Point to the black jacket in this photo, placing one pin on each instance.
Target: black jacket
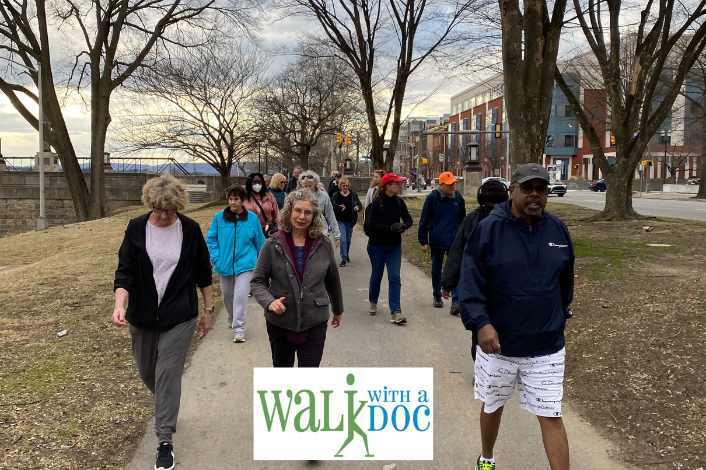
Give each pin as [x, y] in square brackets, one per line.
[452, 269]
[134, 274]
[385, 211]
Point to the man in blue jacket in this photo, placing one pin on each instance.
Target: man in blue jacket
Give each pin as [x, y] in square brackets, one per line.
[444, 210]
[517, 282]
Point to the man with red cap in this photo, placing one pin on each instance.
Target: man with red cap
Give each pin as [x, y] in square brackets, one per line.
[442, 215]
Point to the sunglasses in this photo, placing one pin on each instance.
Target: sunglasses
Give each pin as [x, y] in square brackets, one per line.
[308, 177]
[527, 188]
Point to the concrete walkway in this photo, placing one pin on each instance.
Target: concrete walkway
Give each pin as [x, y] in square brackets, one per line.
[216, 420]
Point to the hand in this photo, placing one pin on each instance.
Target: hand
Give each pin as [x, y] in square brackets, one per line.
[425, 249]
[336, 321]
[356, 208]
[398, 227]
[343, 207]
[204, 325]
[338, 242]
[118, 317]
[446, 294]
[488, 340]
[277, 306]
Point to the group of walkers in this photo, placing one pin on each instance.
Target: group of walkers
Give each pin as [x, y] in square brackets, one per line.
[509, 274]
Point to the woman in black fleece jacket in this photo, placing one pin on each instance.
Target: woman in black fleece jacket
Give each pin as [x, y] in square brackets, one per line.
[385, 244]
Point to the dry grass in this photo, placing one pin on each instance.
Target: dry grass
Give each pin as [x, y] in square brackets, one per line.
[75, 401]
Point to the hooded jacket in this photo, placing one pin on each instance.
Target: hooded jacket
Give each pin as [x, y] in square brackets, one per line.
[441, 218]
[233, 247]
[329, 216]
[520, 279]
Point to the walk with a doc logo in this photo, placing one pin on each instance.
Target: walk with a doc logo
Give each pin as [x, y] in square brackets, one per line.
[344, 414]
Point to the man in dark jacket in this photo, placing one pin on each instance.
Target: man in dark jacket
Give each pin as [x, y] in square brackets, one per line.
[333, 184]
[294, 180]
[443, 212]
[517, 282]
[490, 193]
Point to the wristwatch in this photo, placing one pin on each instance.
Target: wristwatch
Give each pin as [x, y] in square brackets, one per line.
[210, 309]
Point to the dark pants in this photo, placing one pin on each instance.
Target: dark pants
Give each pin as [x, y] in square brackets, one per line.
[160, 358]
[381, 256]
[437, 264]
[308, 353]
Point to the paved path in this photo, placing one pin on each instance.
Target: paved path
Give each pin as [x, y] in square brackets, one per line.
[215, 423]
[658, 205]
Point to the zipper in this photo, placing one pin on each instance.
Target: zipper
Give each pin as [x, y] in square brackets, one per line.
[235, 232]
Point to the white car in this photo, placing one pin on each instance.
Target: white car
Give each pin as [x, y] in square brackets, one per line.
[497, 178]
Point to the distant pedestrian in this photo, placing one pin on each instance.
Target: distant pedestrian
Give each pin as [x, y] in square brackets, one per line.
[161, 262]
[385, 244]
[490, 193]
[234, 240]
[374, 186]
[296, 281]
[517, 283]
[277, 188]
[262, 203]
[311, 181]
[346, 205]
[333, 184]
[294, 180]
[268, 180]
[444, 210]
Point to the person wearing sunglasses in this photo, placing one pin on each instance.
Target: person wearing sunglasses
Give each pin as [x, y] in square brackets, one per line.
[277, 188]
[517, 283]
[161, 262]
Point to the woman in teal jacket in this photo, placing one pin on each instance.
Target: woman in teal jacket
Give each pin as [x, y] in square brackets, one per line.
[234, 241]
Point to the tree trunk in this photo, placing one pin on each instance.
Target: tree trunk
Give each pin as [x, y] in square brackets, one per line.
[225, 182]
[618, 201]
[100, 120]
[304, 157]
[702, 162]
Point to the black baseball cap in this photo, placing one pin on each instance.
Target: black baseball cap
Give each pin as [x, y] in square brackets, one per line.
[528, 172]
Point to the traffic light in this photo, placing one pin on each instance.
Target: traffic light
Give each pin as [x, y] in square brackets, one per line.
[348, 141]
[576, 166]
[342, 165]
[498, 128]
[338, 138]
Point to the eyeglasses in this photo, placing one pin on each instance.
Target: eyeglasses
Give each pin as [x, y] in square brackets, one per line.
[297, 211]
[527, 188]
[308, 177]
[162, 211]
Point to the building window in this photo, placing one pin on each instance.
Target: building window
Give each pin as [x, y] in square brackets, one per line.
[569, 140]
[568, 111]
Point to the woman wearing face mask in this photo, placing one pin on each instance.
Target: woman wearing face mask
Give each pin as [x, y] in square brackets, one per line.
[234, 240]
[262, 203]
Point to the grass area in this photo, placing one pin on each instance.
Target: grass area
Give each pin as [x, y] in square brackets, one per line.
[75, 401]
[636, 347]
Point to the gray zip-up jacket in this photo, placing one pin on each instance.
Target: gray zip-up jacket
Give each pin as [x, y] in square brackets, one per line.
[306, 303]
[329, 216]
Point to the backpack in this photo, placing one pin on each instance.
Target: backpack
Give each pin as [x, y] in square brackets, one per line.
[368, 209]
[435, 199]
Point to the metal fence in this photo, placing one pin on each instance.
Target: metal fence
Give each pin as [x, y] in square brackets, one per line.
[152, 165]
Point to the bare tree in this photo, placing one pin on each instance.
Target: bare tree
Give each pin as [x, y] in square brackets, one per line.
[198, 102]
[364, 32]
[631, 91]
[695, 101]
[530, 41]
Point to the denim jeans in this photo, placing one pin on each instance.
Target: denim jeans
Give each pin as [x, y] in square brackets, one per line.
[346, 229]
[437, 263]
[392, 257]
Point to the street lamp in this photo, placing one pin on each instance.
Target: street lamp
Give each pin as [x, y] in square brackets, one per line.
[266, 144]
[665, 139]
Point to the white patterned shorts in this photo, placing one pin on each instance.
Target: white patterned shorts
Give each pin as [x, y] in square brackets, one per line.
[539, 381]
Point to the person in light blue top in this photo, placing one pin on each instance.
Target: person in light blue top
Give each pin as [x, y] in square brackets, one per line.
[234, 241]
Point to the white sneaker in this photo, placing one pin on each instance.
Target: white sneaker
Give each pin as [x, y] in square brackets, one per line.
[239, 337]
[373, 309]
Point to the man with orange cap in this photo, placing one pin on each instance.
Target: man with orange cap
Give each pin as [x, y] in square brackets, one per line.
[442, 215]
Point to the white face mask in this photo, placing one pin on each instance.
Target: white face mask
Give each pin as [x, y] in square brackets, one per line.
[256, 187]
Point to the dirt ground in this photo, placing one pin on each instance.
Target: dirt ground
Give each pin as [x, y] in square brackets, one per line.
[636, 347]
[76, 401]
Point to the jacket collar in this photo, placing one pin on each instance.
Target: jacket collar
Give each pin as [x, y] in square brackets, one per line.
[232, 216]
[504, 211]
[281, 238]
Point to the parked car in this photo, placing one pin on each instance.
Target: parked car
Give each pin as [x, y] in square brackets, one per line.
[556, 187]
[423, 184]
[497, 178]
[693, 181]
[597, 186]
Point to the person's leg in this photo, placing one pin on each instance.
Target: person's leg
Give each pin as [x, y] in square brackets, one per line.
[348, 240]
[227, 287]
[310, 352]
[282, 350]
[393, 261]
[343, 228]
[172, 349]
[240, 299]
[437, 262]
[377, 262]
[144, 350]
[556, 444]
[489, 427]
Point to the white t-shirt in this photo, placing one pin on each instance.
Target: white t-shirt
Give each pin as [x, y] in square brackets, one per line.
[164, 250]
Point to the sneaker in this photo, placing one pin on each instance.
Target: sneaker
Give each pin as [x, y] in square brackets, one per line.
[239, 337]
[397, 318]
[373, 309]
[230, 323]
[348, 259]
[165, 457]
[484, 465]
[438, 302]
[342, 264]
[455, 309]
[250, 294]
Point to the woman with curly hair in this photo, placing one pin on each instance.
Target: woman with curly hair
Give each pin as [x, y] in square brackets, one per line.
[298, 259]
[262, 203]
[161, 262]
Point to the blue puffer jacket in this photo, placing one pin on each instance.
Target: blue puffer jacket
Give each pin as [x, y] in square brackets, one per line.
[520, 279]
[234, 249]
[441, 218]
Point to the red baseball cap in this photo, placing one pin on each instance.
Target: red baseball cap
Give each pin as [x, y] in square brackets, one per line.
[391, 177]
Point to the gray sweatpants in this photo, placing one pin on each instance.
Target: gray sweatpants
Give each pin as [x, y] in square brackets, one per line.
[160, 357]
[235, 291]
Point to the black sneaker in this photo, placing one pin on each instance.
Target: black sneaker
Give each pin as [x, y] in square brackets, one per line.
[438, 303]
[455, 309]
[165, 457]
